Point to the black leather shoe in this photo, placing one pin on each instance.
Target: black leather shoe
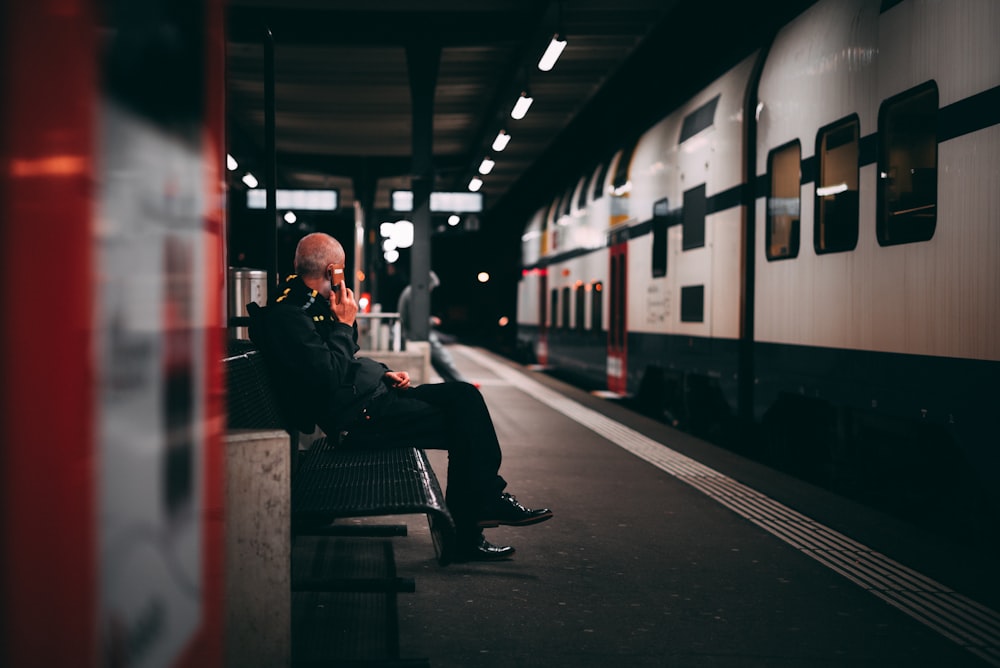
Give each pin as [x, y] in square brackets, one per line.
[483, 550]
[506, 510]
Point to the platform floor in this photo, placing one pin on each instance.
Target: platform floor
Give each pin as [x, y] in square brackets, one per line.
[668, 551]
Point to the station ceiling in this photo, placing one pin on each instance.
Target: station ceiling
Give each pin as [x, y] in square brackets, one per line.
[343, 109]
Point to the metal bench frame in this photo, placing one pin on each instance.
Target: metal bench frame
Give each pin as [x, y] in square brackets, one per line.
[332, 483]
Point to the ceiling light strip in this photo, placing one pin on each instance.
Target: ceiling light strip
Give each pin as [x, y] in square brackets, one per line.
[521, 106]
[552, 53]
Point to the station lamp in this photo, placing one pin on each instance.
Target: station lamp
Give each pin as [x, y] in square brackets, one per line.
[552, 53]
[500, 143]
[521, 106]
[402, 234]
[396, 235]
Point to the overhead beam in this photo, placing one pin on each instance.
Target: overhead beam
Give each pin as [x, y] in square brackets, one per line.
[380, 166]
[373, 28]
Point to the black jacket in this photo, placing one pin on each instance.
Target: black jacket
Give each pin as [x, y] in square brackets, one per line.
[311, 359]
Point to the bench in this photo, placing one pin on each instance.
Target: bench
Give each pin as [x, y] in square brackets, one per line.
[337, 582]
[331, 483]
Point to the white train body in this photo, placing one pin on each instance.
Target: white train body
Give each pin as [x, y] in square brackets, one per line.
[810, 244]
[663, 167]
[936, 297]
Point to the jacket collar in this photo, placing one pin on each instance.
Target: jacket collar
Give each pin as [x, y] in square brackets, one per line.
[295, 292]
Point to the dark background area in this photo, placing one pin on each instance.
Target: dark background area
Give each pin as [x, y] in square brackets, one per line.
[698, 42]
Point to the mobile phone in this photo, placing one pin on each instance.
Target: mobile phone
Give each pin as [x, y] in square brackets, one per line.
[339, 273]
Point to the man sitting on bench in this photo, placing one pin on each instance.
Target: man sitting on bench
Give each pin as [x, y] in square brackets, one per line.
[308, 336]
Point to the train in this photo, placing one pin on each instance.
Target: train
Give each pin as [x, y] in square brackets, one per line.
[803, 258]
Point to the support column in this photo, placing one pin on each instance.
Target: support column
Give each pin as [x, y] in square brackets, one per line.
[422, 61]
[271, 165]
[365, 182]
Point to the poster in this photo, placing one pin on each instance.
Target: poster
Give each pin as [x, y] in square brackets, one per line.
[150, 329]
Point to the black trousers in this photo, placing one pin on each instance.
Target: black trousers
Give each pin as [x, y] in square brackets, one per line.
[451, 416]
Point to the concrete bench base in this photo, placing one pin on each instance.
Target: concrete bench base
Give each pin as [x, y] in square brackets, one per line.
[258, 549]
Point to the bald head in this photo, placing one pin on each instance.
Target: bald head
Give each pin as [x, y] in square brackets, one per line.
[315, 253]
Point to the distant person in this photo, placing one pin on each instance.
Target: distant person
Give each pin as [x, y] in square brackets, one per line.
[441, 359]
[308, 337]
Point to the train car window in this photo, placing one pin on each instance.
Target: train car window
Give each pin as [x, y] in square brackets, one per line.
[693, 303]
[907, 166]
[701, 118]
[560, 206]
[602, 176]
[581, 200]
[618, 302]
[564, 320]
[621, 169]
[613, 341]
[784, 166]
[554, 309]
[661, 211]
[554, 208]
[551, 214]
[548, 230]
[694, 218]
[836, 204]
[567, 204]
[542, 301]
[580, 297]
[597, 307]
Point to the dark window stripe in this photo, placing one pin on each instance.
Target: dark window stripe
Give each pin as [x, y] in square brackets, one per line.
[868, 150]
[808, 170]
[727, 199]
[969, 115]
[641, 229]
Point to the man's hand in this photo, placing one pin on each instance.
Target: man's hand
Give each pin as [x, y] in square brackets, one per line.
[398, 379]
[343, 305]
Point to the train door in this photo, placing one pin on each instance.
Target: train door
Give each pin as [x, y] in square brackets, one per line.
[617, 333]
[542, 349]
